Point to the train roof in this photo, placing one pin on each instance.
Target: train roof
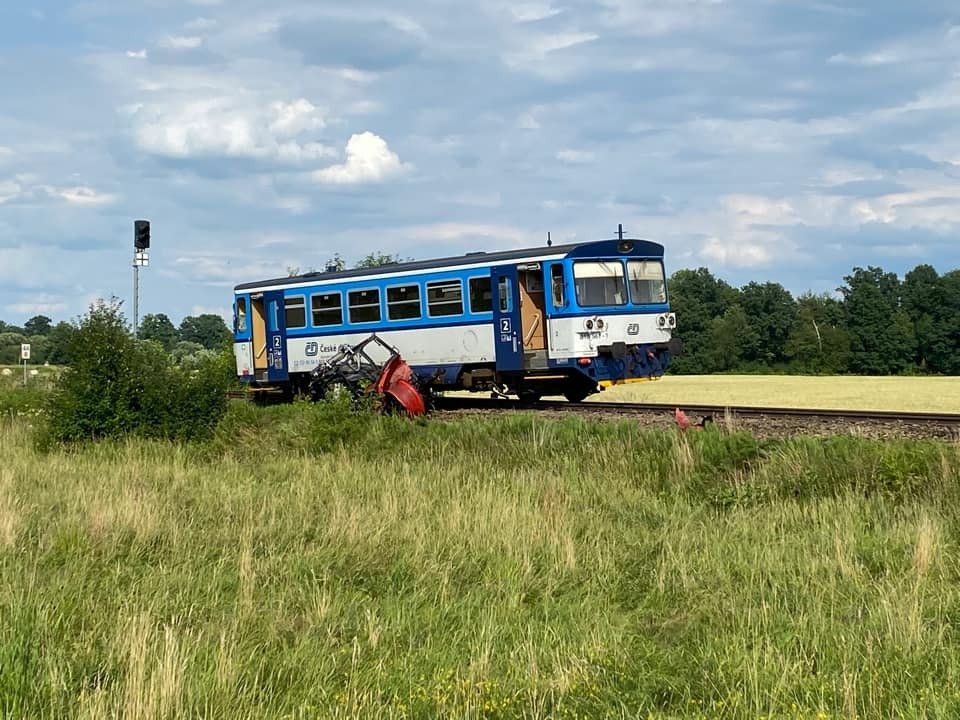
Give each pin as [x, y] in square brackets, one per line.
[638, 247]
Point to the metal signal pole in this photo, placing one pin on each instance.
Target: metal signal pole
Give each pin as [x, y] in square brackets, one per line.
[141, 258]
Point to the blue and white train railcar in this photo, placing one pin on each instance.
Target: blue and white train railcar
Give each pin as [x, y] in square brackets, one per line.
[567, 319]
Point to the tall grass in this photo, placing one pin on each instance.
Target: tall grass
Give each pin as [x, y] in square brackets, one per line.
[503, 568]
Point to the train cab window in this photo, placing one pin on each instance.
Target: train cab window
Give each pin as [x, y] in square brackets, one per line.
[557, 286]
[364, 305]
[445, 298]
[241, 314]
[403, 303]
[647, 283]
[504, 294]
[599, 283]
[481, 295]
[295, 311]
[327, 309]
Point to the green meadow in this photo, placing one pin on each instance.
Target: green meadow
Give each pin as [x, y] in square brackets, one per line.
[310, 563]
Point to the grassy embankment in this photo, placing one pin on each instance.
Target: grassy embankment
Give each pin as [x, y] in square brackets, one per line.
[917, 394]
[511, 567]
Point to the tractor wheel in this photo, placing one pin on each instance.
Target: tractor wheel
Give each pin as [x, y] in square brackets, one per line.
[529, 397]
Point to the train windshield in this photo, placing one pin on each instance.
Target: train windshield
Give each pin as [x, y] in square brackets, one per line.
[647, 283]
[599, 283]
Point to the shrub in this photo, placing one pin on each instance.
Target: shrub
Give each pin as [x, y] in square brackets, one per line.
[119, 386]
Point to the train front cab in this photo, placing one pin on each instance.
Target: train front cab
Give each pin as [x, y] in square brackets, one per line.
[596, 318]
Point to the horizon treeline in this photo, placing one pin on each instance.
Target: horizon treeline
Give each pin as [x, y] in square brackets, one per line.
[50, 343]
[877, 324]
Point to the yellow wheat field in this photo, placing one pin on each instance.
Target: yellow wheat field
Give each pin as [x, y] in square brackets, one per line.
[916, 394]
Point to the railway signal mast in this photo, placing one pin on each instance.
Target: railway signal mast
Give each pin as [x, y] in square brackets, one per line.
[141, 258]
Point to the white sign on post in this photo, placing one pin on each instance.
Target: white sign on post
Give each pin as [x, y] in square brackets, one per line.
[25, 351]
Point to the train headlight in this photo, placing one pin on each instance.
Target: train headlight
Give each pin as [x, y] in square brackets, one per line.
[600, 323]
[662, 321]
[588, 324]
[672, 320]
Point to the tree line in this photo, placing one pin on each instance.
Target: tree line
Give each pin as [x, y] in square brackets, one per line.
[877, 324]
[51, 343]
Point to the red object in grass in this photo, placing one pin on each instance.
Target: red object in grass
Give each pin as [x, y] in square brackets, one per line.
[395, 383]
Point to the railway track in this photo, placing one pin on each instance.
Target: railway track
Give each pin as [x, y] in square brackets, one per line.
[763, 420]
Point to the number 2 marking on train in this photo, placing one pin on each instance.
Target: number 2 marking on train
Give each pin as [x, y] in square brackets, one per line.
[505, 325]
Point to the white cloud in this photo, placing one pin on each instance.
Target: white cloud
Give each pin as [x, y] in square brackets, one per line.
[369, 159]
[532, 12]
[200, 24]
[295, 117]
[137, 54]
[453, 231]
[528, 122]
[231, 127]
[38, 305]
[84, 196]
[181, 42]
[9, 190]
[575, 157]
[735, 252]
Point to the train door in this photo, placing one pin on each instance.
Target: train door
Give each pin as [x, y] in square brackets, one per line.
[506, 318]
[532, 307]
[276, 340]
[258, 331]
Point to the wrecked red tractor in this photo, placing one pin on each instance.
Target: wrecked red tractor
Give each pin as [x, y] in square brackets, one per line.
[372, 366]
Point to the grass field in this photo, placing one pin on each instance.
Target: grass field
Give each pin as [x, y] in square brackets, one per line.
[918, 394]
[502, 568]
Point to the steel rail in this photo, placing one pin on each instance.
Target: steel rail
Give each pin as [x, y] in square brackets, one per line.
[717, 411]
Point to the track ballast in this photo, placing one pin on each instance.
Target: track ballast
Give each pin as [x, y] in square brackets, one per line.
[776, 421]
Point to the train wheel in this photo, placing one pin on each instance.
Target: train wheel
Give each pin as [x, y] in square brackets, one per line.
[577, 394]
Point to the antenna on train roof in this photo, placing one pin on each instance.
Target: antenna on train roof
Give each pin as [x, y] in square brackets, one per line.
[549, 241]
[620, 231]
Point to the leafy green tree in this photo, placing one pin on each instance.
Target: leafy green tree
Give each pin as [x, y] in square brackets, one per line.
[924, 300]
[207, 329]
[819, 342]
[38, 325]
[10, 347]
[879, 337]
[771, 312]
[945, 356]
[58, 343]
[118, 386]
[159, 327]
[377, 259]
[698, 298]
[728, 336]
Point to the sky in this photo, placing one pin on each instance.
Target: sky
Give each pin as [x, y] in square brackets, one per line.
[769, 140]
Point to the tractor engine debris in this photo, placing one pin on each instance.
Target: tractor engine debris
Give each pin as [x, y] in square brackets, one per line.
[358, 371]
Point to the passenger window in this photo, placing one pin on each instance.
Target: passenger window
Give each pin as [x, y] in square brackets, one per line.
[556, 283]
[481, 296]
[503, 290]
[241, 314]
[364, 305]
[327, 309]
[445, 298]
[296, 312]
[403, 303]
